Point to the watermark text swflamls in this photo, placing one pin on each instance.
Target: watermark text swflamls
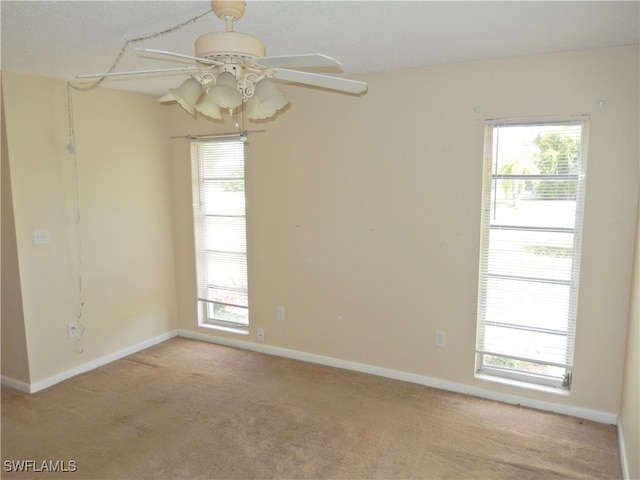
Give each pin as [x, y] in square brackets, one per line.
[55, 466]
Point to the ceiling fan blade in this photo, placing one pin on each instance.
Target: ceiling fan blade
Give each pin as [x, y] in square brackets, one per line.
[315, 79]
[299, 61]
[179, 55]
[139, 72]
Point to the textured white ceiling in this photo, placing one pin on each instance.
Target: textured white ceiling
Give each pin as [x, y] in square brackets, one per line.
[66, 38]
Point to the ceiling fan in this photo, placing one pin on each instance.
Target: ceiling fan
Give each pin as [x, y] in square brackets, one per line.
[231, 69]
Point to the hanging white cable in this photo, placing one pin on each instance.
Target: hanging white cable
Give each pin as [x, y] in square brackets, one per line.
[137, 40]
[71, 147]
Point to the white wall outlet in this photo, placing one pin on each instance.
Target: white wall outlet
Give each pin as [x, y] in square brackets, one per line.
[260, 334]
[441, 338]
[40, 237]
[280, 313]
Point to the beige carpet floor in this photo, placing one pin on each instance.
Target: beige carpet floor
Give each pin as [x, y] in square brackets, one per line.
[193, 410]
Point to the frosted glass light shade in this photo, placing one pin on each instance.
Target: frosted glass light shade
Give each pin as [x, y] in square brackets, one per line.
[266, 101]
[208, 108]
[186, 94]
[225, 92]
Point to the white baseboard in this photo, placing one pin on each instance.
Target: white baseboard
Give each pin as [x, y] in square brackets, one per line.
[624, 465]
[17, 384]
[85, 367]
[595, 415]
[588, 414]
[228, 342]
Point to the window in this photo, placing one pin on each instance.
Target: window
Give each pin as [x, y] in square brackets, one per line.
[532, 209]
[220, 234]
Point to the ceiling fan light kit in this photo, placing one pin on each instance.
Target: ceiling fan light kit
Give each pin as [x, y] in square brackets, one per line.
[187, 94]
[265, 102]
[225, 91]
[209, 109]
[231, 69]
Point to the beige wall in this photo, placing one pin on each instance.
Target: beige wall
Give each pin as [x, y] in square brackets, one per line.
[15, 362]
[126, 262]
[364, 214]
[630, 408]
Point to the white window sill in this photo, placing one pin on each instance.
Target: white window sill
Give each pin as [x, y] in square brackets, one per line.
[213, 326]
[526, 385]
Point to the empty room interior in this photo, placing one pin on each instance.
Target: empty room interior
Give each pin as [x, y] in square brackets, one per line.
[394, 208]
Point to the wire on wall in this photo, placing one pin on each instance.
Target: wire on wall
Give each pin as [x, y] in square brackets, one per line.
[72, 149]
[137, 40]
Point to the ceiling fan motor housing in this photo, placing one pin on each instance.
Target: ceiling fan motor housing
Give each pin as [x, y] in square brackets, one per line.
[221, 45]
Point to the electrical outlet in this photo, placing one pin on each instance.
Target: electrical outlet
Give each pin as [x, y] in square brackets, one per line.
[260, 334]
[40, 237]
[280, 313]
[441, 338]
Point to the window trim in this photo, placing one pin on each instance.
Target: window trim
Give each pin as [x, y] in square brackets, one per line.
[204, 304]
[507, 375]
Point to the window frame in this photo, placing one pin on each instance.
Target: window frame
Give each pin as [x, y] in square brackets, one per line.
[489, 185]
[202, 231]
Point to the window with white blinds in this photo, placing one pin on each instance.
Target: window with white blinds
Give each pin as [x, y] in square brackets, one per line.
[533, 199]
[220, 232]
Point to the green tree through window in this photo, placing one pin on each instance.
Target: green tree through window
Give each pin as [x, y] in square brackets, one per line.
[558, 155]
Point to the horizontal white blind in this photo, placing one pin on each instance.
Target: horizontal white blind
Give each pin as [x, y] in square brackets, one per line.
[533, 196]
[220, 230]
